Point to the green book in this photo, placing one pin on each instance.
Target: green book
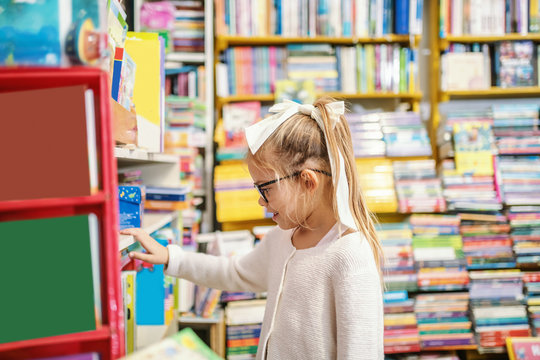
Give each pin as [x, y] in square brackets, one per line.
[50, 277]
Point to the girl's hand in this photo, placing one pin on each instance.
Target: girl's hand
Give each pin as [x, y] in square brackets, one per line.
[157, 254]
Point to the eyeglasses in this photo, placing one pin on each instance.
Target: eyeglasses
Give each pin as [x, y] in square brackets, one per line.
[262, 191]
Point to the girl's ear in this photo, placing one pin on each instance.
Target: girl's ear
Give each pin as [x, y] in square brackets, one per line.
[309, 180]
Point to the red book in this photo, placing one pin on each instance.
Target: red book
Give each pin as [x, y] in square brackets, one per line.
[47, 142]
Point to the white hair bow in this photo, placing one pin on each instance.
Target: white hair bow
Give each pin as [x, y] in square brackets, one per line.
[258, 133]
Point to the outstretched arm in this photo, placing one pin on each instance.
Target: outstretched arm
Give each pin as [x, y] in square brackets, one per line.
[245, 273]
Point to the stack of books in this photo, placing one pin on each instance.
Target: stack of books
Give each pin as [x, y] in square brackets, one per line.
[516, 127]
[519, 179]
[168, 198]
[244, 321]
[400, 331]
[399, 270]
[366, 134]
[417, 186]
[468, 191]
[525, 224]
[438, 252]
[531, 282]
[377, 183]
[498, 307]
[236, 198]
[453, 116]
[443, 320]
[315, 62]
[405, 134]
[188, 33]
[191, 222]
[486, 241]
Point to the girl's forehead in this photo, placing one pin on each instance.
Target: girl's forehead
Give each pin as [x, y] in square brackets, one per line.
[259, 173]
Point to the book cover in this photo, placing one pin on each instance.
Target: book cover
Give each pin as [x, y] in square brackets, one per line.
[58, 157]
[236, 117]
[523, 348]
[66, 252]
[515, 64]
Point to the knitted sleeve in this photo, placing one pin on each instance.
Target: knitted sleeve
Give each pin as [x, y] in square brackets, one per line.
[242, 273]
[359, 317]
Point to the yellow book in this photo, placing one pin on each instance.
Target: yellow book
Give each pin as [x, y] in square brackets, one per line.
[145, 51]
[128, 278]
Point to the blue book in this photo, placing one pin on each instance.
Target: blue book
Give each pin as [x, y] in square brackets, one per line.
[401, 16]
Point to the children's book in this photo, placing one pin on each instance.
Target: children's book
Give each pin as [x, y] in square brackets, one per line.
[236, 117]
[302, 92]
[515, 64]
[523, 348]
[183, 345]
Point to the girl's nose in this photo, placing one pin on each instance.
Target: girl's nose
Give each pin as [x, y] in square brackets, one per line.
[261, 201]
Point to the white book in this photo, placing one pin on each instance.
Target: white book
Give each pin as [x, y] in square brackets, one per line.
[361, 26]
[456, 28]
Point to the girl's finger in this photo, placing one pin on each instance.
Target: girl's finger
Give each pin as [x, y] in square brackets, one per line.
[140, 256]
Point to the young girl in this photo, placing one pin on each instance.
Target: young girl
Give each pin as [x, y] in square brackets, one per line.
[320, 266]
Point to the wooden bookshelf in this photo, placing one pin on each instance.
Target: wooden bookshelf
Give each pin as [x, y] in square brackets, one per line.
[223, 42]
[220, 101]
[493, 91]
[467, 39]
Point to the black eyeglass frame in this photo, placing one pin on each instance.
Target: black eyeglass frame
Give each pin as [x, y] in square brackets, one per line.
[260, 187]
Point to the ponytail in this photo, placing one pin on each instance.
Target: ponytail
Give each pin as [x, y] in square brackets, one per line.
[339, 140]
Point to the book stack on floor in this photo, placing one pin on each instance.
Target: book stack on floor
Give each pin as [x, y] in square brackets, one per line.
[377, 183]
[244, 321]
[366, 134]
[417, 186]
[400, 330]
[531, 282]
[443, 320]
[525, 225]
[486, 241]
[399, 270]
[497, 307]
[405, 134]
[519, 179]
[438, 252]
[516, 128]
[469, 191]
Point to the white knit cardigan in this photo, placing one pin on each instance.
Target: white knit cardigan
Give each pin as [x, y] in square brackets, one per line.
[324, 302]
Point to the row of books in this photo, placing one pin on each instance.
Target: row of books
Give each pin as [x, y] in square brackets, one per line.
[368, 68]
[458, 17]
[418, 249]
[181, 23]
[504, 64]
[302, 18]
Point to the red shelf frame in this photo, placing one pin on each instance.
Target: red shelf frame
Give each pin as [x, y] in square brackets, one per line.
[108, 340]
[16, 205]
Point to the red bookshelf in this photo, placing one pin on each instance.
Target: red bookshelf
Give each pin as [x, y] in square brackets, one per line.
[107, 340]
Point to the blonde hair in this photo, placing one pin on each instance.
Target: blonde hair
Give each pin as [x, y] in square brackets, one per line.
[299, 140]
